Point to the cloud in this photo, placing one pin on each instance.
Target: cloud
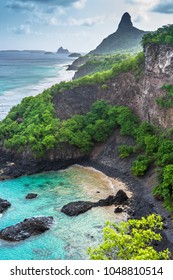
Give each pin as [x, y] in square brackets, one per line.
[19, 5]
[86, 21]
[22, 29]
[163, 8]
[141, 8]
[63, 3]
[80, 4]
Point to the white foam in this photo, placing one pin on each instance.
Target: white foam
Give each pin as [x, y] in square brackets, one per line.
[13, 97]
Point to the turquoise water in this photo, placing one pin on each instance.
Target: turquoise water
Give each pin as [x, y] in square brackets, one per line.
[23, 74]
[69, 237]
[26, 73]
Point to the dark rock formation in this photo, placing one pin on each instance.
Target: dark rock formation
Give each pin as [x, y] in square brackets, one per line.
[120, 198]
[106, 202]
[125, 22]
[31, 195]
[4, 205]
[62, 51]
[79, 207]
[76, 208]
[26, 229]
[118, 210]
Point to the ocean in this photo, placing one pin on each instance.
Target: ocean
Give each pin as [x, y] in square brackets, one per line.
[27, 73]
[23, 74]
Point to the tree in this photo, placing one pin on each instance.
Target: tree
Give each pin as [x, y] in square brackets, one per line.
[165, 189]
[130, 240]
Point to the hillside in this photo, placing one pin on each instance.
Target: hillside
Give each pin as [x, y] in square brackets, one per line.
[120, 118]
[127, 39]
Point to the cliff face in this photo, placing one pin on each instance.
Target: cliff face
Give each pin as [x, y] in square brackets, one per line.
[158, 71]
[140, 95]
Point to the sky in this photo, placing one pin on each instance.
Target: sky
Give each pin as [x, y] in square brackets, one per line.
[78, 25]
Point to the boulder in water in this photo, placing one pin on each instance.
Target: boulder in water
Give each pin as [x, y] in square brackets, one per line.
[31, 195]
[4, 205]
[77, 207]
[26, 229]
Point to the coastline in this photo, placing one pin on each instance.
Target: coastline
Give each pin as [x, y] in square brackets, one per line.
[140, 204]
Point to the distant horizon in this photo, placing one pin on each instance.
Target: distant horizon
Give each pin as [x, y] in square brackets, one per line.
[42, 51]
[77, 25]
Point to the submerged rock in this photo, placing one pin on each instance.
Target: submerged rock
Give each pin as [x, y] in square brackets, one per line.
[76, 208]
[4, 205]
[27, 228]
[31, 195]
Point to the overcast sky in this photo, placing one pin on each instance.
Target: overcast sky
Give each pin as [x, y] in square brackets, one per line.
[79, 25]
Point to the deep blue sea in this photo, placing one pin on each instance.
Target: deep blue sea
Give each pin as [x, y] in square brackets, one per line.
[29, 73]
[23, 74]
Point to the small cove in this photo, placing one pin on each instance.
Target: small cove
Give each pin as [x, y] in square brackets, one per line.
[69, 237]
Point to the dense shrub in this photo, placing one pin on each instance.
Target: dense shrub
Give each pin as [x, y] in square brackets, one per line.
[141, 165]
[163, 35]
[131, 240]
[165, 188]
[125, 151]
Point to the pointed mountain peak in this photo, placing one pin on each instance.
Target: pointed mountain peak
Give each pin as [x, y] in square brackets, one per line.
[125, 22]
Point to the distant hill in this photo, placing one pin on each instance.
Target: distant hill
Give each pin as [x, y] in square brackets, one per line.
[127, 38]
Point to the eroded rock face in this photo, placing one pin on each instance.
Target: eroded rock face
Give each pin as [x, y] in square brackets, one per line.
[159, 60]
[4, 205]
[26, 229]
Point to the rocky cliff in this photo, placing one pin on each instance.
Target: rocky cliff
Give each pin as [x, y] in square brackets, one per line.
[125, 89]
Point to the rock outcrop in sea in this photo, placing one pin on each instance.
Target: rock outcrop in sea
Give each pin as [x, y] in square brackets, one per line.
[79, 207]
[4, 205]
[61, 50]
[27, 228]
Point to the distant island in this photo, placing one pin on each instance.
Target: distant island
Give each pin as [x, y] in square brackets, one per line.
[61, 50]
[75, 55]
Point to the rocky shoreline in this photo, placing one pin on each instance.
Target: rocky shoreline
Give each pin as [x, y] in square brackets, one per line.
[141, 203]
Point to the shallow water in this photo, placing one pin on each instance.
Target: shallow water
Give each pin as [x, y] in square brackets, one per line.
[69, 237]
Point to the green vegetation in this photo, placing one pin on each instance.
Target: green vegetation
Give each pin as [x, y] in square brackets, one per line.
[163, 35]
[140, 166]
[32, 125]
[167, 100]
[133, 63]
[125, 151]
[165, 189]
[100, 63]
[131, 240]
